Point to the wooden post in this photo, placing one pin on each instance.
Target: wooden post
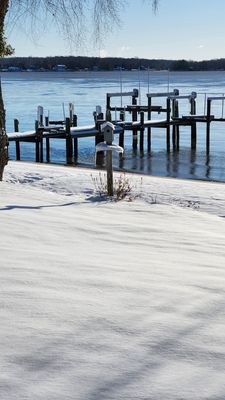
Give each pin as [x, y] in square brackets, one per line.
[75, 143]
[41, 146]
[74, 120]
[108, 115]
[47, 142]
[16, 125]
[16, 129]
[40, 116]
[47, 149]
[121, 135]
[168, 124]
[71, 112]
[193, 135]
[75, 140]
[178, 137]
[108, 138]
[95, 117]
[134, 118]
[107, 102]
[69, 143]
[175, 135]
[174, 126]
[142, 115]
[149, 144]
[193, 106]
[109, 172]
[18, 150]
[176, 110]
[208, 125]
[193, 125]
[98, 139]
[37, 142]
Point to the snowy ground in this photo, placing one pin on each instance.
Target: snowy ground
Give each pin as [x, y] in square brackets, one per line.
[110, 300]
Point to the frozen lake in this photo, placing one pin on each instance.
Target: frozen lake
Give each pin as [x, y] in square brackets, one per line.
[24, 91]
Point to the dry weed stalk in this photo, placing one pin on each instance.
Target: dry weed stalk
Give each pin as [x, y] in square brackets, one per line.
[122, 186]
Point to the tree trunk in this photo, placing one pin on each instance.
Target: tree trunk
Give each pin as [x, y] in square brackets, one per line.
[3, 11]
[3, 137]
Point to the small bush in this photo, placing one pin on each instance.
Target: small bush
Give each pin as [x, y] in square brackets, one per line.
[122, 186]
[100, 184]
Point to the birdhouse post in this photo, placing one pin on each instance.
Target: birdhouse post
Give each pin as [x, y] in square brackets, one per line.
[107, 146]
[107, 130]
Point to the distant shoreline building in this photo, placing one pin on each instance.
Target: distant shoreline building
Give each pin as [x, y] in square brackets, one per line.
[13, 69]
[60, 68]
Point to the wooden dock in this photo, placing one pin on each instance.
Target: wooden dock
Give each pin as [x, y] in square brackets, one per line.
[141, 120]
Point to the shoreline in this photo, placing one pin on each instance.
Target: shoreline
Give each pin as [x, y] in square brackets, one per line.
[118, 171]
[77, 183]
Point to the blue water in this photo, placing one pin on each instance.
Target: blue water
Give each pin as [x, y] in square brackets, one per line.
[24, 91]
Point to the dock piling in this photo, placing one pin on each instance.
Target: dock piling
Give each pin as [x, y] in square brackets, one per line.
[193, 124]
[16, 129]
[149, 137]
[168, 124]
[137, 125]
[208, 113]
[37, 142]
[134, 118]
[121, 135]
[75, 140]
[176, 127]
[142, 116]
[47, 149]
[69, 143]
[99, 137]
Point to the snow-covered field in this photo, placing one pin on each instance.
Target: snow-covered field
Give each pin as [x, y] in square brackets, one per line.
[110, 300]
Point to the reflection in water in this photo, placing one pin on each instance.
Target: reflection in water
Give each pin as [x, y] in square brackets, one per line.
[141, 153]
[149, 163]
[121, 161]
[135, 153]
[142, 164]
[185, 163]
[207, 164]
[168, 163]
[192, 162]
[175, 163]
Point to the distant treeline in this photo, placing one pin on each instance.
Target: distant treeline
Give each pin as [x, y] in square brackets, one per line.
[110, 63]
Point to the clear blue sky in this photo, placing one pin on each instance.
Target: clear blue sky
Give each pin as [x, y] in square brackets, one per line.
[190, 29]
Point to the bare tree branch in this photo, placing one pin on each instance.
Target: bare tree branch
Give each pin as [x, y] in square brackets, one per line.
[72, 17]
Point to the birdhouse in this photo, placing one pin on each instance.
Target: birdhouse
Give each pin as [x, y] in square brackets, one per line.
[107, 129]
